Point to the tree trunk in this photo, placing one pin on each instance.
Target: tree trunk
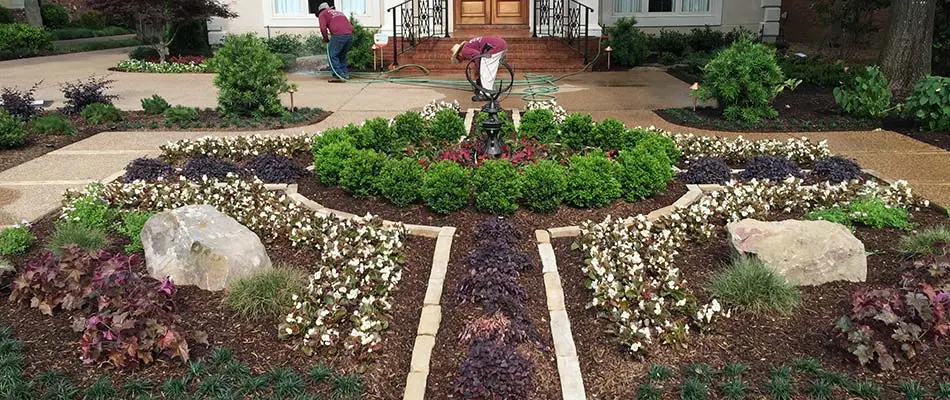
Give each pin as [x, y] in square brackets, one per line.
[908, 51]
[33, 15]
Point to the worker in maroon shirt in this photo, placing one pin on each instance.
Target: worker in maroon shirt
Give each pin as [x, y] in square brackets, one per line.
[340, 39]
[495, 47]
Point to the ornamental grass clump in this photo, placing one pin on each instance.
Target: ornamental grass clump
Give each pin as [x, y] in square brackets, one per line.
[930, 241]
[752, 286]
[87, 238]
[267, 294]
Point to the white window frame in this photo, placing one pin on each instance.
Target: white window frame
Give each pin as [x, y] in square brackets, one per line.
[646, 19]
[370, 19]
[17, 4]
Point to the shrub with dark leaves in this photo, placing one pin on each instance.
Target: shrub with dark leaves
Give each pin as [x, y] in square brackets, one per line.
[494, 370]
[272, 168]
[836, 169]
[497, 230]
[51, 282]
[770, 167]
[147, 169]
[19, 103]
[707, 170]
[81, 93]
[216, 168]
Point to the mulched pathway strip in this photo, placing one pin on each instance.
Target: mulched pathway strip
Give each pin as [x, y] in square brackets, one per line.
[756, 341]
[50, 342]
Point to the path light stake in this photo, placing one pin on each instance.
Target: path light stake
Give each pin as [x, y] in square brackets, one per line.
[292, 89]
[692, 92]
[608, 50]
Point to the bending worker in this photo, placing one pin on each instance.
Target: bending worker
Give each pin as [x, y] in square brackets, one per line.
[487, 66]
[340, 39]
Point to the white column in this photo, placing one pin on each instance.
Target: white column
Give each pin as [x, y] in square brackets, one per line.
[771, 19]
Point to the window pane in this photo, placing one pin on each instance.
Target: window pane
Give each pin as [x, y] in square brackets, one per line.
[695, 5]
[661, 6]
[288, 7]
[356, 7]
[627, 6]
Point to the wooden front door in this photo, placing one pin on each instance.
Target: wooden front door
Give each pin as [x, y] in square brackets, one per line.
[491, 12]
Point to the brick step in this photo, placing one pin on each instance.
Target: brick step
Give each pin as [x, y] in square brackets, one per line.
[513, 56]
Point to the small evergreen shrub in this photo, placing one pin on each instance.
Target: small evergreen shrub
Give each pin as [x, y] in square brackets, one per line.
[53, 124]
[285, 43]
[15, 240]
[147, 169]
[836, 169]
[744, 78]
[497, 187]
[273, 168]
[631, 138]
[54, 15]
[446, 187]
[576, 131]
[591, 181]
[400, 181]
[334, 135]
[750, 285]
[22, 40]
[447, 126]
[248, 78]
[770, 167]
[98, 113]
[376, 134]
[329, 161]
[360, 56]
[409, 127]
[607, 134]
[929, 103]
[12, 133]
[876, 214]
[287, 61]
[83, 93]
[642, 174]
[155, 105]
[654, 143]
[360, 171]
[543, 186]
[630, 45]
[867, 95]
[707, 170]
[814, 71]
[926, 241]
[539, 124]
[669, 44]
[94, 20]
[88, 238]
[268, 294]
[180, 115]
[131, 228]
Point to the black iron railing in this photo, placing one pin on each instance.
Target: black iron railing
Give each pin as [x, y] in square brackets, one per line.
[414, 20]
[567, 19]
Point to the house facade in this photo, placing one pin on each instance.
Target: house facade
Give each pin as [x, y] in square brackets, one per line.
[291, 16]
[13, 4]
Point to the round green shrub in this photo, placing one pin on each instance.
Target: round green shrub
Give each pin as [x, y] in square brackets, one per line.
[248, 78]
[285, 43]
[92, 20]
[376, 134]
[867, 95]
[99, 113]
[446, 187]
[497, 187]
[630, 138]
[334, 135]
[400, 181]
[642, 174]
[929, 103]
[154, 105]
[446, 126]
[744, 78]
[12, 133]
[360, 56]
[607, 134]
[15, 240]
[180, 114]
[539, 124]
[54, 124]
[630, 45]
[576, 131]
[655, 143]
[592, 181]
[54, 15]
[360, 171]
[409, 127]
[22, 40]
[329, 161]
[543, 186]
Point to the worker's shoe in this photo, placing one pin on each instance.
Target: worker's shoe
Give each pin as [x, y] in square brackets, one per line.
[480, 97]
[335, 80]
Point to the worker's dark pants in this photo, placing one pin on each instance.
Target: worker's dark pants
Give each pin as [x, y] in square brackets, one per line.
[339, 46]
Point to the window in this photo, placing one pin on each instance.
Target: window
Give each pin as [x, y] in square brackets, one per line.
[695, 5]
[661, 6]
[665, 13]
[298, 8]
[288, 7]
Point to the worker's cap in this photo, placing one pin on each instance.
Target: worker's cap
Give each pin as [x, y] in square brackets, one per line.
[323, 6]
[455, 52]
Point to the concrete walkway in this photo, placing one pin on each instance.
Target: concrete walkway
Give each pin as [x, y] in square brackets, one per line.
[32, 189]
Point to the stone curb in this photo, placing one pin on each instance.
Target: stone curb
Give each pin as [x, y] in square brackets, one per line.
[469, 120]
[568, 366]
[714, 187]
[430, 319]
[516, 118]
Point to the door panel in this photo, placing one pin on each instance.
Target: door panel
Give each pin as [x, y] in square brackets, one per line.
[510, 12]
[473, 12]
[489, 12]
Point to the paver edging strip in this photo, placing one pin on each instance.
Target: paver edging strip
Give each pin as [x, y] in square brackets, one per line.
[430, 319]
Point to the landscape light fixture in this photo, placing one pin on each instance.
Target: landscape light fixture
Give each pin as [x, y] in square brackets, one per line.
[608, 50]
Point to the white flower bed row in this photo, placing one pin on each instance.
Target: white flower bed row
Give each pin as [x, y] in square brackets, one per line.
[235, 146]
[429, 110]
[739, 149]
[559, 113]
[348, 296]
[631, 270]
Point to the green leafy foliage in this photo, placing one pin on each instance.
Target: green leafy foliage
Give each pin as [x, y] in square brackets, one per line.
[268, 294]
[876, 214]
[15, 240]
[53, 124]
[330, 159]
[180, 115]
[143, 52]
[779, 387]
[155, 105]
[693, 389]
[446, 187]
[376, 134]
[814, 71]
[99, 113]
[347, 387]
[400, 180]
[576, 131]
[543, 186]
[655, 143]
[131, 228]
[744, 78]
[913, 390]
[659, 372]
[71, 233]
[642, 174]
[22, 40]
[285, 43]
[6, 16]
[926, 242]
[750, 285]
[647, 391]
[409, 127]
[630, 45]
[334, 135]
[360, 172]
[592, 181]
[734, 389]
[867, 95]
[497, 187]
[12, 133]
[54, 15]
[834, 214]
[669, 44]
[248, 78]
[83, 93]
[539, 124]
[930, 103]
[447, 126]
[360, 56]
[287, 61]
[607, 133]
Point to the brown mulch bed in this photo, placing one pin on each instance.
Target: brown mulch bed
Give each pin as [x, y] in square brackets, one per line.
[37, 145]
[51, 344]
[756, 341]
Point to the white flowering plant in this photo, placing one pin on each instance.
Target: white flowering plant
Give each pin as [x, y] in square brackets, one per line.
[630, 262]
[347, 299]
[430, 110]
[739, 150]
[559, 113]
[235, 146]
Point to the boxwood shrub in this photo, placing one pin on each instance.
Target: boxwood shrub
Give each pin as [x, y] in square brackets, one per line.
[446, 187]
[359, 172]
[642, 174]
[543, 186]
[334, 135]
[539, 124]
[99, 113]
[409, 127]
[375, 134]
[607, 134]
[12, 134]
[400, 180]
[576, 131]
[654, 142]
[446, 126]
[497, 187]
[330, 159]
[592, 181]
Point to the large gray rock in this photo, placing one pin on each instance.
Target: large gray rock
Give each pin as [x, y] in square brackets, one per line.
[804, 252]
[197, 245]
